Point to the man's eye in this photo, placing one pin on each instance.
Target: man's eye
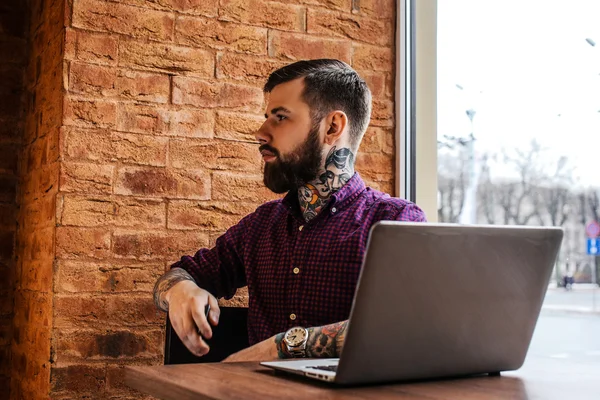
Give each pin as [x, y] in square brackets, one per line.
[280, 117]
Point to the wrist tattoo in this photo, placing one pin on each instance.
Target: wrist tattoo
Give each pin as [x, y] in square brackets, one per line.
[166, 282]
[326, 341]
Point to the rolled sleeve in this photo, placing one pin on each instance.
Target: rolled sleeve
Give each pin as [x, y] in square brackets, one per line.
[220, 270]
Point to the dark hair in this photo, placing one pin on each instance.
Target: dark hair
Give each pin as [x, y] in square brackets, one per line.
[330, 85]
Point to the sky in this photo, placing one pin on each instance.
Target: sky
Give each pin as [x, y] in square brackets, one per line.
[528, 72]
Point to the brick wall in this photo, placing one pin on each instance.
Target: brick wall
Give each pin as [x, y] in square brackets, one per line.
[12, 100]
[137, 151]
[38, 186]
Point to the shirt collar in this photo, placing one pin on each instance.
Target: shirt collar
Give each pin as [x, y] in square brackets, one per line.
[354, 187]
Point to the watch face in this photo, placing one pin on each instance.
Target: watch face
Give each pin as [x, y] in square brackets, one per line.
[295, 336]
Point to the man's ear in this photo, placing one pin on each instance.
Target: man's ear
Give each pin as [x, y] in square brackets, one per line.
[337, 121]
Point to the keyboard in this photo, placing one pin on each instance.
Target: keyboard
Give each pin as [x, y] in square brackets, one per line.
[332, 368]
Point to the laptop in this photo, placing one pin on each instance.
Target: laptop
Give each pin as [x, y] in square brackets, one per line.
[440, 301]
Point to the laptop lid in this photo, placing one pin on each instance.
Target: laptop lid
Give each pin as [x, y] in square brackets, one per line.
[437, 300]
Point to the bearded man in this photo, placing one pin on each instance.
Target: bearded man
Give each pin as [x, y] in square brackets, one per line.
[300, 256]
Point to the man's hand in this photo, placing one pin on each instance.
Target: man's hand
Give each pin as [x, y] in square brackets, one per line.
[187, 303]
[263, 351]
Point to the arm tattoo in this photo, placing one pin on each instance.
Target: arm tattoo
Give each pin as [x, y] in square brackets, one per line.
[281, 353]
[323, 342]
[166, 282]
[326, 341]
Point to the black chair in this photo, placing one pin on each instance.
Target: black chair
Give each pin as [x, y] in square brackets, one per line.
[230, 336]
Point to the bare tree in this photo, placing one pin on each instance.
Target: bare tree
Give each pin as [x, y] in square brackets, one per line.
[452, 178]
[518, 198]
[555, 197]
[488, 192]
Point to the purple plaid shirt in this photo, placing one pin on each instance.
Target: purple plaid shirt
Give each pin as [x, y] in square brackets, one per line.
[297, 273]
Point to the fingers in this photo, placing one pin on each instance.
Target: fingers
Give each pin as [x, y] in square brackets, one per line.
[197, 310]
[214, 312]
[187, 332]
[194, 342]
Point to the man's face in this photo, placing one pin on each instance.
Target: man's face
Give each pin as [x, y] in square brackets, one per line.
[291, 144]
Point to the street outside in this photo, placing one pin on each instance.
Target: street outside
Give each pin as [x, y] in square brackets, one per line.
[568, 329]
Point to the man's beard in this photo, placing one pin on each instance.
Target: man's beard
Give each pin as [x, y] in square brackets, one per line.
[290, 171]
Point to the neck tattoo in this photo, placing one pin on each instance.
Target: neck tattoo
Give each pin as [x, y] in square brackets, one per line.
[337, 171]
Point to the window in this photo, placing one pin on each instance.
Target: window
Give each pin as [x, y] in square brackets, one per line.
[518, 134]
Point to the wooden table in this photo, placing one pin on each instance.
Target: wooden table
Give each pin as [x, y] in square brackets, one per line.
[540, 378]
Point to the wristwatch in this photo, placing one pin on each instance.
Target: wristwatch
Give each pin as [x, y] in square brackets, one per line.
[295, 341]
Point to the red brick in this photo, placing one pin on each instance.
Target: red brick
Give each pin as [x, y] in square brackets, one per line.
[5, 331]
[33, 311]
[237, 187]
[389, 144]
[236, 156]
[140, 149]
[70, 44]
[195, 31]
[165, 121]
[382, 9]
[81, 277]
[222, 155]
[167, 57]
[85, 211]
[77, 345]
[8, 188]
[382, 113]
[109, 82]
[377, 84]
[207, 215]
[236, 126]
[11, 129]
[6, 304]
[375, 166]
[373, 141]
[363, 29]
[40, 244]
[143, 86]
[78, 378]
[97, 48]
[87, 145]
[89, 114]
[161, 182]
[199, 93]
[292, 46]
[13, 51]
[390, 85]
[108, 310]
[208, 8]
[86, 178]
[186, 153]
[371, 58]
[245, 68]
[9, 154]
[117, 18]
[37, 275]
[77, 242]
[92, 79]
[157, 245]
[342, 5]
[140, 213]
[264, 14]
[7, 244]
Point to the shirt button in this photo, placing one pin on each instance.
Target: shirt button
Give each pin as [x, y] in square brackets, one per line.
[333, 210]
[292, 317]
[296, 270]
[300, 228]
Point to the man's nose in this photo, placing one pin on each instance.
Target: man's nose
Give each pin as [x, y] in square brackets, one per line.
[261, 135]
